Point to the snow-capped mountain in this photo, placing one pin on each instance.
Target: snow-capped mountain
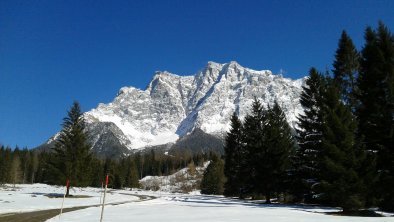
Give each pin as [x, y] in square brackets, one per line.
[173, 106]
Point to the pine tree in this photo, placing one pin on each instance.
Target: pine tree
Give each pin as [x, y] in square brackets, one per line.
[98, 174]
[376, 106]
[346, 66]
[268, 147]
[72, 155]
[139, 161]
[340, 161]
[132, 174]
[16, 170]
[34, 165]
[213, 179]
[253, 132]
[26, 164]
[234, 158]
[306, 170]
[2, 165]
[275, 159]
[6, 165]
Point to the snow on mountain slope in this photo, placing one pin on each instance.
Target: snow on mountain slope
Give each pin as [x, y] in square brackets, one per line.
[173, 106]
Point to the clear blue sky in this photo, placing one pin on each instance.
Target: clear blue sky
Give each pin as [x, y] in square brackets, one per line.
[55, 52]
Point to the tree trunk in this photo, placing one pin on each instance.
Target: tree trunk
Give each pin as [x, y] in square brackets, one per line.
[268, 198]
[68, 191]
[32, 177]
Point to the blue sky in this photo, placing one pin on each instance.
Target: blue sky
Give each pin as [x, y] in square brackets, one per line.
[55, 52]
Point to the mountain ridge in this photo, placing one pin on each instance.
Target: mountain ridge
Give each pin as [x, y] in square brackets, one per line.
[173, 106]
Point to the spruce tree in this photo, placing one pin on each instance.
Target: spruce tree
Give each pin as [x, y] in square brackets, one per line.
[306, 170]
[346, 65]
[72, 155]
[16, 170]
[376, 106]
[2, 165]
[34, 165]
[268, 145]
[340, 161]
[132, 174]
[213, 179]
[234, 158]
[26, 165]
[275, 159]
[6, 165]
[253, 132]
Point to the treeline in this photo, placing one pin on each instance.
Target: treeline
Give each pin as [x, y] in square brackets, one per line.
[18, 166]
[33, 166]
[342, 154]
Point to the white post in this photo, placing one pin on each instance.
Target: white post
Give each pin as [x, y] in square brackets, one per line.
[64, 197]
[101, 191]
[105, 191]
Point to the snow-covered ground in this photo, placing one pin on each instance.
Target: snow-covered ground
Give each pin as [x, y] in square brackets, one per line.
[165, 207]
[173, 207]
[33, 197]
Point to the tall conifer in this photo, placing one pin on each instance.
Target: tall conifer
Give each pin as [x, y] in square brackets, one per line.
[376, 106]
[269, 144]
[346, 65]
[213, 179]
[234, 158]
[254, 146]
[306, 171]
[278, 147]
[72, 151]
[341, 184]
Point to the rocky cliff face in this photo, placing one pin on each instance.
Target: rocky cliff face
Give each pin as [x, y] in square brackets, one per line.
[173, 106]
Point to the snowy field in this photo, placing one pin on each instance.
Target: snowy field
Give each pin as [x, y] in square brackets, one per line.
[33, 197]
[165, 207]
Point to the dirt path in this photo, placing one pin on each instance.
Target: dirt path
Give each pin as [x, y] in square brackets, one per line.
[35, 216]
[43, 215]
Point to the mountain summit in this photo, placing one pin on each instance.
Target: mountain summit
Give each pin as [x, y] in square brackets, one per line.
[172, 107]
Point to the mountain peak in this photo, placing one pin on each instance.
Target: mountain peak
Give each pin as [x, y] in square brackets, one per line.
[173, 106]
[159, 74]
[216, 65]
[213, 66]
[234, 64]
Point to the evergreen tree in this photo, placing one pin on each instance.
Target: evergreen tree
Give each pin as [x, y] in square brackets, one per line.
[26, 165]
[274, 161]
[341, 184]
[34, 165]
[72, 155]
[132, 175]
[139, 160]
[2, 165]
[98, 173]
[376, 106]
[16, 171]
[306, 170]
[43, 168]
[253, 132]
[6, 166]
[268, 147]
[213, 179]
[346, 66]
[119, 178]
[234, 157]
